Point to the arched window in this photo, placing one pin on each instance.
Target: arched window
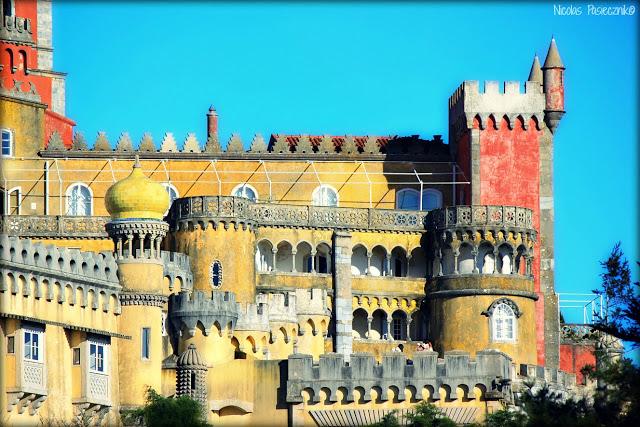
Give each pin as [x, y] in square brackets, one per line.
[172, 192]
[407, 198]
[431, 199]
[216, 274]
[7, 8]
[503, 322]
[7, 143]
[14, 201]
[325, 195]
[246, 191]
[79, 200]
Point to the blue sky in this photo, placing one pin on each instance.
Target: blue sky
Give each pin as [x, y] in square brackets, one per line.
[360, 68]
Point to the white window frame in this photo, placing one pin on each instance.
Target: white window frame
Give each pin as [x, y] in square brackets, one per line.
[242, 188]
[400, 193]
[32, 331]
[91, 359]
[68, 196]
[436, 193]
[10, 142]
[497, 316]
[8, 200]
[320, 188]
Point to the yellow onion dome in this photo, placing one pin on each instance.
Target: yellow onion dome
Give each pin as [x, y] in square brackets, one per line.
[136, 196]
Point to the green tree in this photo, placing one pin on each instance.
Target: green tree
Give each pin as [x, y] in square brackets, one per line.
[428, 415]
[621, 318]
[161, 411]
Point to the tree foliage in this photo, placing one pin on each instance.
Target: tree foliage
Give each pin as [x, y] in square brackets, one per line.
[622, 308]
[161, 411]
[423, 415]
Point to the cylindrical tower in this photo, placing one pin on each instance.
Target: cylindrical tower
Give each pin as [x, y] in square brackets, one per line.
[481, 290]
[216, 234]
[553, 86]
[137, 205]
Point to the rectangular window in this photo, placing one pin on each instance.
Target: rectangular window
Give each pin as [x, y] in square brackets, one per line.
[6, 143]
[32, 345]
[11, 345]
[76, 356]
[96, 357]
[146, 343]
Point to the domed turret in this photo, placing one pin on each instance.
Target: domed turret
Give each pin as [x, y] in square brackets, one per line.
[136, 196]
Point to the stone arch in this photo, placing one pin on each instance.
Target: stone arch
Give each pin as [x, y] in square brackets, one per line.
[399, 325]
[70, 294]
[359, 260]
[359, 395]
[417, 263]
[264, 256]
[308, 396]
[378, 261]
[284, 257]
[486, 259]
[505, 256]
[378, 325]
[399, 262]
[359, 324]
[465, 259]
[520, 264]
[323, 258]
[302, 257]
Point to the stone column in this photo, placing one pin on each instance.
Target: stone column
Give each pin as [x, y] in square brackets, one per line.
[293, 260]
[273, 258]
[130, 244]
[369, 320]
[313, 262]
[387, 263]
[389, 331]
[343, 341]
[368, 272]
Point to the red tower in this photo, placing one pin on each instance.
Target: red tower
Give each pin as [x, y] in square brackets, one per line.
[26, 63]
[503, 141]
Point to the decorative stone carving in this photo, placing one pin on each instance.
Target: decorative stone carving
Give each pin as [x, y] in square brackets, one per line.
[102, 143]
[212, 145]
[168, 144]
[235, 144]
[191, 144]
[146, 143]
[304, 145]
[349, 145]
[516, 310]
[79, 142]
[258, 145]
[326, 145]
[124, 142]
[281, 145]
[55, 142]
[370, 145]
[151, 300]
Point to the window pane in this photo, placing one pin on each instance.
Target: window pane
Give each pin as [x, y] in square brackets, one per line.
[408, 200]
[146, 335]
[27, 345]
[34, 347]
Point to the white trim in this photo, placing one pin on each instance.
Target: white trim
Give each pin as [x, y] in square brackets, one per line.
[243, 186]
[33, 331]
[172, 187]
[492, 322]
[68, 192]
[319, 188]
[8, 200]
[11, 142]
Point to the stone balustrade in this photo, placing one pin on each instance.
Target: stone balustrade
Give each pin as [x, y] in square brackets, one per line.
[66, 227]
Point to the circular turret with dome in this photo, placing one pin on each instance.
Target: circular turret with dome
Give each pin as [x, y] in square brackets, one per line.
[137, 205]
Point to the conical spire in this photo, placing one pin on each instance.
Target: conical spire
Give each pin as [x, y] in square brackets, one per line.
[535, 75]
[553, 56]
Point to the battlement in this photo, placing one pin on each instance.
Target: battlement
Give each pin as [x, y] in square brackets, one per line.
[281, 307]
[253, 317]
[187, 309]
[279, 146]
[489, 370]
[177, 266]
[64, 262]
[311, 302]
[16, 29]
[469, 102]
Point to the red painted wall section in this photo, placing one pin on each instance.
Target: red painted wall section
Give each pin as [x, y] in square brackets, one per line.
[510, 175]
[573, 357]
[61, 124]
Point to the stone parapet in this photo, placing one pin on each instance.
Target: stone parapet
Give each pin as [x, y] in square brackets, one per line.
[187, 309]
[177, 265]
[491, 369]
[16, 29]
[62, 227]
[226, 210]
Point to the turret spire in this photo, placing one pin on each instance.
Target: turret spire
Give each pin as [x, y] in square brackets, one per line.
[553, 56]
[535, 75]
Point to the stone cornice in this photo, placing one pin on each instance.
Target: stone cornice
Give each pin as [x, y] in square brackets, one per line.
[151, 300]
